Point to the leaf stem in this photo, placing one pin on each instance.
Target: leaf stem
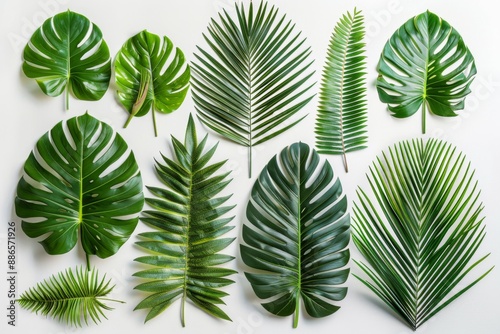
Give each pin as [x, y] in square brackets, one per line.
[88, 261]
[183, 306]
[67, 96]
[424, 111]
[344, 158]
[154, 121]
[250, 161]
[296, 314]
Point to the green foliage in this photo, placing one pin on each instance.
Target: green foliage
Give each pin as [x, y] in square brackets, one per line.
[253, 80]
[70, 297]
[425, 63]
[188, 221]
[81, 179]
[297, 235]
[68, 52]
[151, 75]
[341, 119]
[419, 228]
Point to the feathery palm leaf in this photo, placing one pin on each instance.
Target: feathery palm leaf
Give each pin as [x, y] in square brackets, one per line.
[254, 81]
[70, 296]
[189, 223]
[341, 120]
[422, 230]
[425, 63]
[297, 235]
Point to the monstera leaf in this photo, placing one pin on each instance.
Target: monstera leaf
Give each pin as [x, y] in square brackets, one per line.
[341, 119]
[68, 52]
[419, 226]
[297, 235]
[425, 64]
[151, 74]
[73, 297]
[254, 78]
[80, 180]
[188, 221]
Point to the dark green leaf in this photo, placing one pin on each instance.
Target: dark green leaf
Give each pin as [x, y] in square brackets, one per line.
[297, 235]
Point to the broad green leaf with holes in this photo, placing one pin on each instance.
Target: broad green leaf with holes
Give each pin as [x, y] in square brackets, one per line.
[68, 53]
[151, 74]
[80, 182]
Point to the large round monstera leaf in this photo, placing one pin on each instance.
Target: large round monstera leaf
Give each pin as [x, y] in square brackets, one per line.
[80, 180]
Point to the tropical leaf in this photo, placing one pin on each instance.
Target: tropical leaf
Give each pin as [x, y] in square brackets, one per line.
[151, 75]
[188, 221]
[297, 235]
[254, 78]
[341, 119]
[425, 63]
[80, 180]
[68, 52]
[419, 227]
[70, 296]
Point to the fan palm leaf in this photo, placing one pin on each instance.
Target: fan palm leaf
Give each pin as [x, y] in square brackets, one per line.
[188, 221]
[341, 119]
[297, 235]
[254, 80]
[419, 227]
[70, 296]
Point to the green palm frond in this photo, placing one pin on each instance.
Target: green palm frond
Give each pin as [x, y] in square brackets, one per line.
[297, 235]
[70, 296]
[254, 80]
[189, 223]
[341, 120]
[419, 228]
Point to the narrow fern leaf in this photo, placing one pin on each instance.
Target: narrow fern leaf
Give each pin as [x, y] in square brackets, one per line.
[253, 79]
[72, 297]
[188, 221]
[342, 113]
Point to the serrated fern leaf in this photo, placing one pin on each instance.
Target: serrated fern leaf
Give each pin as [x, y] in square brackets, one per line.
[254, 76]
[189, 224]
[70, 296]
[341, 119]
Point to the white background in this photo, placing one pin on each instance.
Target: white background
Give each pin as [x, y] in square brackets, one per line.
[26, 114]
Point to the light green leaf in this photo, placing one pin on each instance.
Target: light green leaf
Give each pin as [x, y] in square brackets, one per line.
[189, 225]
[254, 78]
[68, 52]
[297, 235]
[70, 296]
[425, 64]
[80, 180]
[341, 119]
[151, 75]
[419, 226]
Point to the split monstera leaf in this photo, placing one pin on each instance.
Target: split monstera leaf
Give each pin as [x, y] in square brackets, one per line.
[81, 184]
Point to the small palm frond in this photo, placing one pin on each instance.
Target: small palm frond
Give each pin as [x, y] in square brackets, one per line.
[189, 224]
[341, 120]
[419, 228]
[70, 297]
[254, 80]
